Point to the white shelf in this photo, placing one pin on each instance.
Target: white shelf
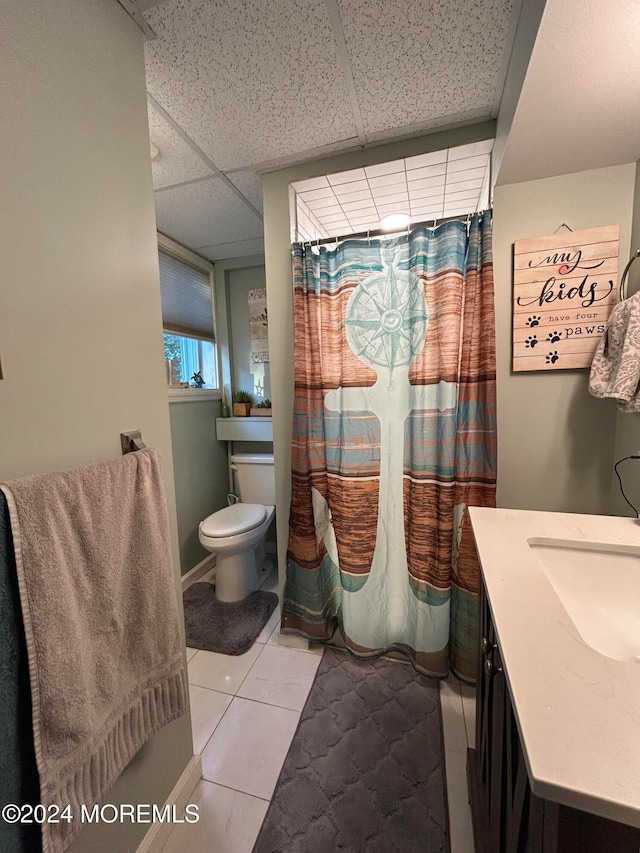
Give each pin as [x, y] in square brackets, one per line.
[244, 429]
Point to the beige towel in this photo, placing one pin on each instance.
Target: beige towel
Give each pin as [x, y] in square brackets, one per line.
[615, 369]
[101, 623]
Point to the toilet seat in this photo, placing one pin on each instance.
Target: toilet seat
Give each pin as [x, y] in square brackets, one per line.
[232, 520]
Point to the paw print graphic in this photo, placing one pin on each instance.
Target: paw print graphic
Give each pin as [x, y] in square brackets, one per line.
[533, 321]
[554, 337]
[531, 341]
[552, 357]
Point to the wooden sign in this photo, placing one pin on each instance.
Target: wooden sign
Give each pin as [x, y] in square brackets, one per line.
[564, 288]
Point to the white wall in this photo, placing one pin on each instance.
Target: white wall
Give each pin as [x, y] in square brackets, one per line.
[555, 441]
[277, 236]
[80, 323]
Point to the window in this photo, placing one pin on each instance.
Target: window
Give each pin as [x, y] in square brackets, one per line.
[187, 318]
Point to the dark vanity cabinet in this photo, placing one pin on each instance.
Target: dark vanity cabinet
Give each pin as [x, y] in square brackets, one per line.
[507, 816]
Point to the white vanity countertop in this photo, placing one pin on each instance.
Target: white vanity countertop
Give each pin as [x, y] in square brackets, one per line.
[578, 712]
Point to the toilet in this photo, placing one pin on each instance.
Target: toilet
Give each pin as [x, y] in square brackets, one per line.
[237, 533]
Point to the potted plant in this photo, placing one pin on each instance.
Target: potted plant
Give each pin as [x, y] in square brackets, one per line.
[242, 402]
[262, 409]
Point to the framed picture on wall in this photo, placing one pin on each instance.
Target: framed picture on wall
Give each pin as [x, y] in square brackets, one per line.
[564, 289]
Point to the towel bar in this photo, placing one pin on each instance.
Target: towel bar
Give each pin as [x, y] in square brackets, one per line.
[131, 441]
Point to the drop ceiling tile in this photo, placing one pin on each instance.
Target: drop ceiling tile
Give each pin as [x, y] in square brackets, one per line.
[233, 249]
[364, 220]
[250, 185]
[427, 171]
[204, 214]
[400, 188]
[421, 160]
[398, 207]
[392, 198]
[480, 161]
[347, 197]
[333, 218]
[466, 175]
[363, 204]
[310, 184]
[464, 186]
[427, 192]
[347, 177]
[176, 161]
[320, 209]
[472, 149]
[460, 46]
[464, 195]
[350, 186]
[423, 183]
[239, 78]
[385, 180]
[384, 168]
[317, 204]
[322, 192]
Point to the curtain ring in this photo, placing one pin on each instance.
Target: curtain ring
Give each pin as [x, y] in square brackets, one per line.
[369, 236]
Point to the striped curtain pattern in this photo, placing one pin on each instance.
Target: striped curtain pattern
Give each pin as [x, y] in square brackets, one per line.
[394, 435]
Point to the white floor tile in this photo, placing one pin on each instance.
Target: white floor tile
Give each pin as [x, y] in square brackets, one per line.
[281, 677]
[455, 735]
[460, 826]
[309, 648]
[221, 672]
[248, 748]
[469, 708]
[229, 822]
[274, 622]
[207, 709]
[271, 584]
[190, 653]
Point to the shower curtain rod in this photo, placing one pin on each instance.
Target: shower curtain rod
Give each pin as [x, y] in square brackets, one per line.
[380, 232]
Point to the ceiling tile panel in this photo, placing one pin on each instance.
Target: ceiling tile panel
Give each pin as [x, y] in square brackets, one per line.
[425, 60]
[430, 159]
[347, 177]
[176, 161]
[310, 184]
[345, 198]
[477, 162]
[233, 249]
[249, 82]
[350, 187]
[204, 214]
[250, 185]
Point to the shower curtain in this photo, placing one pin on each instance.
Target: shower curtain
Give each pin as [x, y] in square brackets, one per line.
[394, 435]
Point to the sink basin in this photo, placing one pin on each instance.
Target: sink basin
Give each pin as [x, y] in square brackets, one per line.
[599, 587]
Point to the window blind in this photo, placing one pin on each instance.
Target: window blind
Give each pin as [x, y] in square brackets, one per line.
[187, 307]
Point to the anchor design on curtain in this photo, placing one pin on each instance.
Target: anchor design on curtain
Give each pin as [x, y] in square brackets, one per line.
[376, 595]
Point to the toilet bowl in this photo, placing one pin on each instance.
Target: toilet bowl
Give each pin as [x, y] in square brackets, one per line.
[237, 533]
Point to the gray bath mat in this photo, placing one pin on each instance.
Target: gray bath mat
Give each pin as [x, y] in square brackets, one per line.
[365, 770]
[228, 628]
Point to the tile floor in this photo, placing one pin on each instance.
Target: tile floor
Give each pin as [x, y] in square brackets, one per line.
[245, 711]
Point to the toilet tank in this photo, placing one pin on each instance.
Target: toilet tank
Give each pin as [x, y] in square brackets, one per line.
[255, 481]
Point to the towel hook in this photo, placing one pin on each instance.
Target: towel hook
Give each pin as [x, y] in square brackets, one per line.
[623, 280]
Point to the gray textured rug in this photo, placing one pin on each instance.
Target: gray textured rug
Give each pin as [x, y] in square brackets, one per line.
[228, 628]
[365, 770]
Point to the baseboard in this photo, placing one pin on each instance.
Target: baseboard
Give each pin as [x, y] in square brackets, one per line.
[194, 574]
[180, 796]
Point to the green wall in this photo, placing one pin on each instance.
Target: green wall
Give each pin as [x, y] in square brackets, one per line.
[555, 441]
[627, 426]
[201, 472]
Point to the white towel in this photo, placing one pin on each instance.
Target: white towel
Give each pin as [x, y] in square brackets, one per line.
[101, 623]
[615, 370]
